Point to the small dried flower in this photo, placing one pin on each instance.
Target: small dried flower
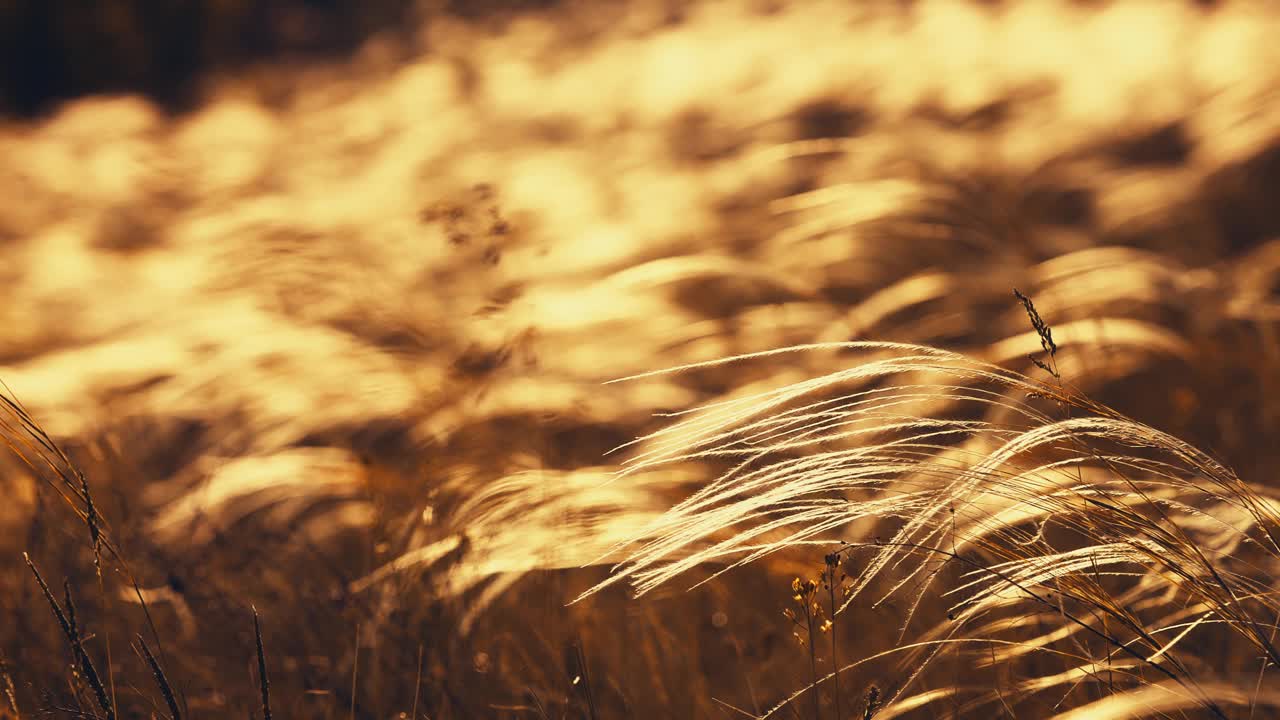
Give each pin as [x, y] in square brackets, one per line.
[873, 703]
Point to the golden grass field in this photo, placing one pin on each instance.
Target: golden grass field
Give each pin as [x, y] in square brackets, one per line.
[656, 360]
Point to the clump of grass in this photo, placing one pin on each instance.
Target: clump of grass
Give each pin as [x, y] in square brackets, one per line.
[264, 683]
[70, 628]
[36, 449]
[923, 464]
[529, 521]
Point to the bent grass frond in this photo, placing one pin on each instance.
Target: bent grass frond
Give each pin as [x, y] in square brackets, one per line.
[916, 459]
[530, 521]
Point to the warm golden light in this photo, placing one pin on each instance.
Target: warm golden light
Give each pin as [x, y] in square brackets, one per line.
[337, 343]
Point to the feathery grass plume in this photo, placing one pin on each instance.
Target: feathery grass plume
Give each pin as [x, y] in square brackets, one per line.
[1094, 521]
[534, 520]
[1162, 699]
[315, 489]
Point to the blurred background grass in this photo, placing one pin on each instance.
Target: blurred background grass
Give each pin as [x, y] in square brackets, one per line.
[54, 51]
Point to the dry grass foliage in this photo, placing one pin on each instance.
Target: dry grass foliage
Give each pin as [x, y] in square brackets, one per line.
[1012, 524]
[339, 446]
[1016, 522]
